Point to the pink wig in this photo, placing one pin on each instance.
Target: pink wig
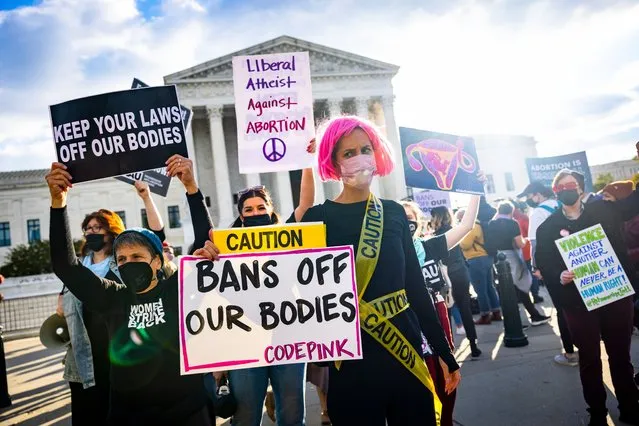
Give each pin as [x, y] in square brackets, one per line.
[339, 127]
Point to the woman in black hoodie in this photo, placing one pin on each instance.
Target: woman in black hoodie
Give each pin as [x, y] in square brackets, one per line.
[141, 314]
[441, 222]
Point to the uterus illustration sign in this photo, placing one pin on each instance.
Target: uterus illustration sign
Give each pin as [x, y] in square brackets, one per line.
[440, 161]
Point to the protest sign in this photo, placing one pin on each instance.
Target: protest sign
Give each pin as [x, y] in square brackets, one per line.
[186, 112]
[118, 133]
[599, 277]
[261, 309]
[545, 169]
[157, 180]
[270, 238]
[428, 200]
[274, 110]
[440, 161]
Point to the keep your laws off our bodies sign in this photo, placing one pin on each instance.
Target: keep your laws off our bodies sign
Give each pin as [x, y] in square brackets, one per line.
[599, 277]
[118, 133]
[268, 308]
[274, 109]
[157, 179]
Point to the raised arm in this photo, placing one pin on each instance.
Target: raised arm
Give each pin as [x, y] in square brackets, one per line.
[455, 235]
[152, 214]
[421, 302]
[99, 294]
[182, 168]
[307, 188]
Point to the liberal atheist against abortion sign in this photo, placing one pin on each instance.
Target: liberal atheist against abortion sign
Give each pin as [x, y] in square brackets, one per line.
[274, 109]
[118, 133]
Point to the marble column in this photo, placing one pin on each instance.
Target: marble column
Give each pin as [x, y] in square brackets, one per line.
[190, 147]
[252, 180]
[331, 188]
[395, 184]
[284, 194]
[220, 166]
[334, 107]
[361, 106]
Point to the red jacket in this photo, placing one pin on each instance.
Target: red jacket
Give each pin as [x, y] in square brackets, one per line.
[523, 221]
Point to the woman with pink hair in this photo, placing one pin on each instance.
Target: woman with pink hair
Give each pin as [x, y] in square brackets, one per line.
[391, 384]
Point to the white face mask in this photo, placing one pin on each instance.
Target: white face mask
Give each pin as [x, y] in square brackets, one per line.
[358, 171]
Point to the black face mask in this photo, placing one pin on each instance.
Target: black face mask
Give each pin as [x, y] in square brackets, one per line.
[137, 276]
[258, 220]
[412, 226]
[568, 197]
[532, 203]
[95, 242]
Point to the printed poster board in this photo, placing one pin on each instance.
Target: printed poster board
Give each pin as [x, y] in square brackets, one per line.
[600, 278]
[157, 180]
[440, 161]
[545, 169]
[274, 110]
[268, 308]
[118, 133]
[428, 200]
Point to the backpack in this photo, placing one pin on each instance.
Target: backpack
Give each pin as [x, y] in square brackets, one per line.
[488, 245]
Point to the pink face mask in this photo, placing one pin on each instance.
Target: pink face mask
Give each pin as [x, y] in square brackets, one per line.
[358, 171]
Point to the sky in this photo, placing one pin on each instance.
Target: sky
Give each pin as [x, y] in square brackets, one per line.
[565, 72]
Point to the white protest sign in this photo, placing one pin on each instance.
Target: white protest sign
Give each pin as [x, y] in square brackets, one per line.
[599, 277]
[428, 200]
[259, 309]
[274, 110]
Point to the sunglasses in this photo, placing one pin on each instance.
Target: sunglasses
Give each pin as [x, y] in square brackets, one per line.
[569, 186]
[257, 188]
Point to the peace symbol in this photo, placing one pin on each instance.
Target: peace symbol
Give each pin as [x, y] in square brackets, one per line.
[274, 149]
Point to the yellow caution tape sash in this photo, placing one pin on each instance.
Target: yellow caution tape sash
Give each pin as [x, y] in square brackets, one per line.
[375, 315]
[270, 238]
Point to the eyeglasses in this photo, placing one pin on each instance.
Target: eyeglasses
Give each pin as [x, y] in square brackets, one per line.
[94, 229]
[256, 188]
[568, 186]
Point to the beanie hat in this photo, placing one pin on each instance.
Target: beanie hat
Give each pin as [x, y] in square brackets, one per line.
[620, 190]
[114, 220]
[150, 237]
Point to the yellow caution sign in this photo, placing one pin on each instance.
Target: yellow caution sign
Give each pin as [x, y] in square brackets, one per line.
[270, 238]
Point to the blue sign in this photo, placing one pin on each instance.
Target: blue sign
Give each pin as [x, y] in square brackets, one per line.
[440, 162]
[545, 169]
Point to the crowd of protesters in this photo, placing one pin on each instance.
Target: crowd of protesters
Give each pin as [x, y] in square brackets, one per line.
[123, 368]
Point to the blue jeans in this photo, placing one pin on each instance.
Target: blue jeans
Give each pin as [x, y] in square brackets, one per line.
[454, 311]
[534, 288]
[481, 275]
[249, 389]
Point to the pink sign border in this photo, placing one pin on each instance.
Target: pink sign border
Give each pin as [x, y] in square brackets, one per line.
[185, 259]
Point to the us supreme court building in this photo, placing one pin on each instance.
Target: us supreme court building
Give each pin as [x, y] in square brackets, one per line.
[343, 83]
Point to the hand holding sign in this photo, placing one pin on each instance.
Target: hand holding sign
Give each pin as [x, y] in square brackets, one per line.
[59, 181]
[209, 251]
[212, 252]
[182, 168]
[142, 188]
[311, 147]
[567, 277]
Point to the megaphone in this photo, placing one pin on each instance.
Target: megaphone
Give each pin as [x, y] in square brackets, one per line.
[54, 332]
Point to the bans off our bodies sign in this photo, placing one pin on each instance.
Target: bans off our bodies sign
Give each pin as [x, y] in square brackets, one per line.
[268, 308]
[274, 109]
[599, 277]
[270, 238]
[118, 133]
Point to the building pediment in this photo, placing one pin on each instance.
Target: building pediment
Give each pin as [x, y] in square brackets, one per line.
[325, 62]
